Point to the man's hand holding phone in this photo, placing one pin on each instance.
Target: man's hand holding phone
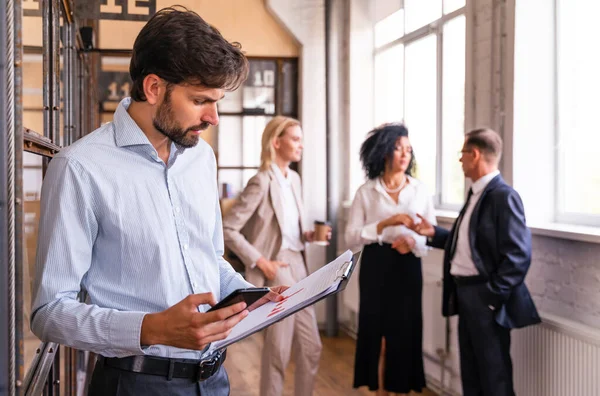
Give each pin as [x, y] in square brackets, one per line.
[183, 326]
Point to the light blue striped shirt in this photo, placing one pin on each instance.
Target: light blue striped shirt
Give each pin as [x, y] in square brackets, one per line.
[137, 234]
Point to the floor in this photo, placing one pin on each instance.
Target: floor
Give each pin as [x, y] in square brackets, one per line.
[334, 376]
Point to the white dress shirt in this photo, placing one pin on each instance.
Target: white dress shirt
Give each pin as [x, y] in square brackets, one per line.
[291, 238]
[372, 204]
[462, 262]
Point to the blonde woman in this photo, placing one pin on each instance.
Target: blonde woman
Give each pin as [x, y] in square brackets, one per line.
[264, 229]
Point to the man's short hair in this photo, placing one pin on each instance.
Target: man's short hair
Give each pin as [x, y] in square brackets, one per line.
[487, 141]
[180, 47]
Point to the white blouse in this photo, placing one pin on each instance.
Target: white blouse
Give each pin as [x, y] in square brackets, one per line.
[372, 204]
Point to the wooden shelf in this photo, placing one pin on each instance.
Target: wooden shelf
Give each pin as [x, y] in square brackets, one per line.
[35, 143]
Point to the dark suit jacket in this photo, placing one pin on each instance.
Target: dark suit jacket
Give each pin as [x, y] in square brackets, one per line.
[501, 250]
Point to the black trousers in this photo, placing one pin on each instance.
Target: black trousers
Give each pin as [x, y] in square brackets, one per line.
[110, 381]
[485, 363]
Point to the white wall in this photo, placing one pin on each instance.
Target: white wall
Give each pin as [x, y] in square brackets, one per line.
[360, 85]
[305, 19]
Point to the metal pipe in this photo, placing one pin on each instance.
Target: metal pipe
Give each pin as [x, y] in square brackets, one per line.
[5, 304]
[68, 62]
[19, 196]
[40, 371]
[55, 78]
[331, 175]
[10, 197]
[51, 66]
[46, 66]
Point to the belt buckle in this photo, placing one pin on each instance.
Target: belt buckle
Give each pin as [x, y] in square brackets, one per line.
[208, 366]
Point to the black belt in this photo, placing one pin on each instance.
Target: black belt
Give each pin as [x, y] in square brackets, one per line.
[469, 280]
[198, 370]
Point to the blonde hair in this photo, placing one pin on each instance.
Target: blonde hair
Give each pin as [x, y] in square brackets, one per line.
[274, 129]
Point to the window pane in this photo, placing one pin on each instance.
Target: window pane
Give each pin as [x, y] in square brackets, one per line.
[33, 94]
[230, 141]
[233, 181]
[388, 85]
[289, 87]
[421, 12]
[453, 110]
[232, 102]
[259, 88]
[230, 182]
[251, 147]
[578, 103]
[453, 5]
[32, 183]
[420, 104]
[389, 28]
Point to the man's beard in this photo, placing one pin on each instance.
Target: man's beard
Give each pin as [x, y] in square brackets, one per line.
[165, 123]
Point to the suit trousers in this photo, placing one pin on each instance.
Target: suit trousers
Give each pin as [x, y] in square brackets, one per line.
[111, 381]
[298, 332]
[485, 363]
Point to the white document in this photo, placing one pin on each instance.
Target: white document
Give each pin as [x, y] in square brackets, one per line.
[309, 290]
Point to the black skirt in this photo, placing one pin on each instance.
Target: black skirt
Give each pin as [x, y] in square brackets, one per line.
[391, 286]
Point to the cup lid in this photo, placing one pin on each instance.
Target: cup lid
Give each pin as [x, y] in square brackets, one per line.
[318, 222]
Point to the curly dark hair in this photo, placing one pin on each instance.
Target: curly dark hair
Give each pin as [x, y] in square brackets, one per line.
[379, 148]
[180, 47]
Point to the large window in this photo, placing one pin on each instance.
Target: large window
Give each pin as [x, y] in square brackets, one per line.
[555, 131]
[420, 79]
[577, 101]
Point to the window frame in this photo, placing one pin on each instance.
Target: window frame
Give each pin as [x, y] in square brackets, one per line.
[435, 27]
[561, 215]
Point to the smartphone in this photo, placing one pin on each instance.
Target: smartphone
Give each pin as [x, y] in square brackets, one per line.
[249, 296]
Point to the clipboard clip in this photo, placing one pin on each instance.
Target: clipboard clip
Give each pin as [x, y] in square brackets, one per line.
[344, 270]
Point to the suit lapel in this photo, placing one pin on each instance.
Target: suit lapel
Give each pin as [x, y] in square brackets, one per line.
[276, 200]
[495, 182]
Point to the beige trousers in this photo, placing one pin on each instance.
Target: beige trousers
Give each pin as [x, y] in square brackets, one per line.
[298, 332]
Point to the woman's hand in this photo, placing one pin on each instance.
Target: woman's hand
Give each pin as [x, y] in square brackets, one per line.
[269, 268]
[309, 236]
[395, 220]
[404, 244]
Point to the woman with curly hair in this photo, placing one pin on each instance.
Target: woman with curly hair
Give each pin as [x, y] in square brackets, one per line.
[389, 352]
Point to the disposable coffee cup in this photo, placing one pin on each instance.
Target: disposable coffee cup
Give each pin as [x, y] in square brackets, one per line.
[321, 231]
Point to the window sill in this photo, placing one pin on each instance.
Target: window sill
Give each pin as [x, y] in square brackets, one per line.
[446, 216]
[567, 231]
[554, 230]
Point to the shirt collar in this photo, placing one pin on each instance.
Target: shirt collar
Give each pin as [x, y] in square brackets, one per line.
[283, 181]
[127, 131]
[480, 184]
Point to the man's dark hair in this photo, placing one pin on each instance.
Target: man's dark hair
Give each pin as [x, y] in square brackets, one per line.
[379, 148]
[180, 47]
[487, 141]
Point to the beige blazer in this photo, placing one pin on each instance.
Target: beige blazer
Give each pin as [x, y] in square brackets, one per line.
[253, 226]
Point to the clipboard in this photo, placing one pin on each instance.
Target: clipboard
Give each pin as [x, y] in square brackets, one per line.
[328, 280]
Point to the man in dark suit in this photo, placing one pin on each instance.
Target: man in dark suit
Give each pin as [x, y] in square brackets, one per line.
[487, 255]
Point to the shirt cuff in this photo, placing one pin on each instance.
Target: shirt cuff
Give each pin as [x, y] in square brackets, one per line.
[420, 249]
[369, 232]
[125, 329]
